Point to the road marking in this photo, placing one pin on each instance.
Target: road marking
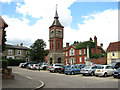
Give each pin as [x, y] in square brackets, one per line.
[29, 77]
[40, 85]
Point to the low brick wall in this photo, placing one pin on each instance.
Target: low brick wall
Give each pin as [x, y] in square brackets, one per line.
[99, 60]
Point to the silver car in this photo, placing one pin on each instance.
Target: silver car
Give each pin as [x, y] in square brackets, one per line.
[104, 70]
[88, 70]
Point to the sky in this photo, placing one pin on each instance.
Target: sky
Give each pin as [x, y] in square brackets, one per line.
[30, 20]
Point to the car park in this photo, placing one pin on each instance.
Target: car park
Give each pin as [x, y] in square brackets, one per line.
[104, 70]
[116, 73]
[73, 69]
[55, 67]
[88, 70]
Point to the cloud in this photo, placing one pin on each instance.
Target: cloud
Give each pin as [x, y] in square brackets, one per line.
[97, 0]
[102, 24]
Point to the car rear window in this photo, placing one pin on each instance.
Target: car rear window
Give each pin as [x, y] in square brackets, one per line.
[58, 65]
[100, 67]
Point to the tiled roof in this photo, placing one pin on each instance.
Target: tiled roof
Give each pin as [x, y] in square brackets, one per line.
[115, 46]
[16, 47]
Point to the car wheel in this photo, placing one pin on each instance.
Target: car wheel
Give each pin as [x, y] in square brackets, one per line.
[92, 73]
[83, 74]
[105, 75]
[115, 76]
[72, 73]
[96, 75]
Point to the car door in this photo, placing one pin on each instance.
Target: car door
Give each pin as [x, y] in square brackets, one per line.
[109, 70]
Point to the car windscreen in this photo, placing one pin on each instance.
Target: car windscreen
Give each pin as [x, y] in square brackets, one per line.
[112, 64]
[100, 67]
[87, 67]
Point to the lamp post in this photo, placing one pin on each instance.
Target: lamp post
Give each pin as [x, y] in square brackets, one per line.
[88, 61]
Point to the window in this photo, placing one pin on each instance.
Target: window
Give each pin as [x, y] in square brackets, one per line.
[85, 59]
[80, 59]
[80, 52]
[27, 52]
[113, 54]
[58, 45]
[66, 54]
[66, 61]
[19, 52]
[9, 52]
[84, 51]
[72, 52]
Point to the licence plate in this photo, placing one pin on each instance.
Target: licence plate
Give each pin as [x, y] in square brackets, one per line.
[98, 70]
[83, 70]
[66, 69]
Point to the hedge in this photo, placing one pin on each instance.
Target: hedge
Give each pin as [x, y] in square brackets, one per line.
[15, 62]
[4, 63]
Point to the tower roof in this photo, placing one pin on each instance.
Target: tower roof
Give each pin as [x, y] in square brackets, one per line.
[56, 22]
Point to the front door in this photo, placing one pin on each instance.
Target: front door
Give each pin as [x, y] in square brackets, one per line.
[50, 60]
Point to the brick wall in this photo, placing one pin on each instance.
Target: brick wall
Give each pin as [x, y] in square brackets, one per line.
[99, 60]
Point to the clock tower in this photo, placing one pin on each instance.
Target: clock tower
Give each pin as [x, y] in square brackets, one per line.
[56, 42]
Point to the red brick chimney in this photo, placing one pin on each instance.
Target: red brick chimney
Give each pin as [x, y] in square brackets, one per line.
[95, 40]
[67, 45]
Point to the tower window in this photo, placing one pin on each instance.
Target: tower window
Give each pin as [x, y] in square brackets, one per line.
[58, 45]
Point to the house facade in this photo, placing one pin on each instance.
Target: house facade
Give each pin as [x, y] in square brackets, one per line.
[77, 53]
[113, 52]
[3, 25]
[16, 52]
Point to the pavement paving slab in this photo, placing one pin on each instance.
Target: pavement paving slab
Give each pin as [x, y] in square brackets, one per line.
[20, 82]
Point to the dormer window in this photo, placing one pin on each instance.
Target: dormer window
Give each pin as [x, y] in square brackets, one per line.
[72, 52]
[19, 52]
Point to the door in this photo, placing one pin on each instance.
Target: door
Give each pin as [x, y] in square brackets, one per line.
[50, 60]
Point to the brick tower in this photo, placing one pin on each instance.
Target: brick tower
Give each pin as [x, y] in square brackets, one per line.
[56, 42]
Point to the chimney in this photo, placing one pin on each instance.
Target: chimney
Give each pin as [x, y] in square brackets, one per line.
[95, 40]
[101, 45]
[21, 44]
[67, 45]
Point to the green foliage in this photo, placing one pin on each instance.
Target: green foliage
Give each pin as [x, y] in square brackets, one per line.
[37, 51]
[15, 62]
[4, 63]
[76, 42]
[84, 45]
[91, 39]
[96, 56]
[4, 40]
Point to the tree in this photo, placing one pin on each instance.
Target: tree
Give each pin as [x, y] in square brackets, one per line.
[37, 51]
[3, 40]
[91, 39]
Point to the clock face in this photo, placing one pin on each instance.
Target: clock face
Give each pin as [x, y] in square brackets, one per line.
[59, 32]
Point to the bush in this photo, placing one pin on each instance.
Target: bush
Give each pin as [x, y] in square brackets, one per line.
[15, 62]
[4, 63]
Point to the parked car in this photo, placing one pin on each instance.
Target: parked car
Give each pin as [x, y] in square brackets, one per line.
[116, 73]
[62, 69]
[20, 65]
[26, 63]
[88, 70]
[55, 67]
[35, 67]
[44, 66]
[104, 70]
[115, 65]
[73, 69]
[29, 66]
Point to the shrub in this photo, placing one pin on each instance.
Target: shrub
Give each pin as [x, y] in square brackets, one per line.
[15, 62]
[4, 63]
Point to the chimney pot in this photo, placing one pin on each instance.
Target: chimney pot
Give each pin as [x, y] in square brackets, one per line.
[67, 44]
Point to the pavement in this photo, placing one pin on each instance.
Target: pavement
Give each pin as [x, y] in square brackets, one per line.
[21, 83]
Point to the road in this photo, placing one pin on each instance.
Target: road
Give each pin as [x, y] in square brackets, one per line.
[56, 80]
